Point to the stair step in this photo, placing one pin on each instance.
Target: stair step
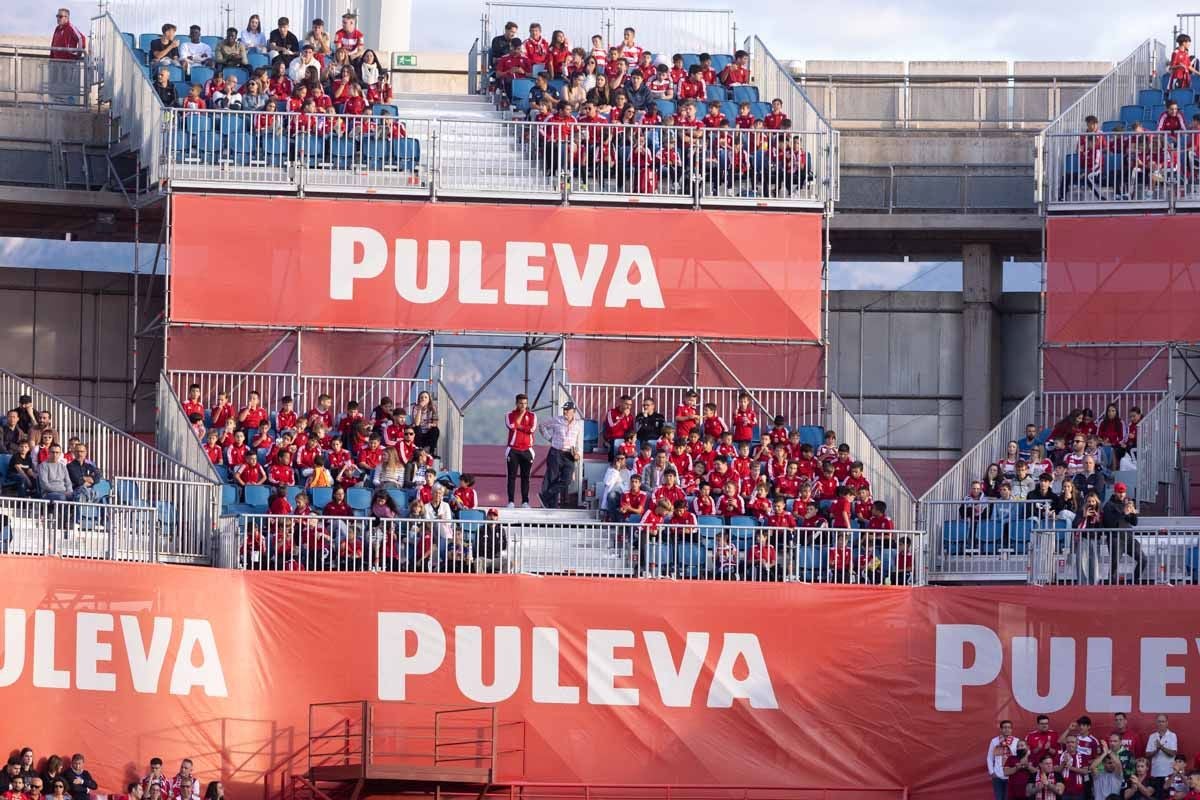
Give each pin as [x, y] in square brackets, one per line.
[446, 97]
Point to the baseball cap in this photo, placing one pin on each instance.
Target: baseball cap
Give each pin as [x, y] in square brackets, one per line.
[1120, 487]
[568, 406]
[23, 399]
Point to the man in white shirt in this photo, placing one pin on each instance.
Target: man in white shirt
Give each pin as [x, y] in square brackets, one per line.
[565, 434]
[999, 749]
[299, 66]
[615, 484]
[1161, 747]
[193, 52]
[185, 786]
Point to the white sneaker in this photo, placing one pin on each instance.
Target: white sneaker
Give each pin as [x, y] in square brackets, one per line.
[524, 505]
[511, 504]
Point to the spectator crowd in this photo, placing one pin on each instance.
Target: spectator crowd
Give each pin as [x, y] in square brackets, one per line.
[57, 778]
[1082, 763]
[40, 465]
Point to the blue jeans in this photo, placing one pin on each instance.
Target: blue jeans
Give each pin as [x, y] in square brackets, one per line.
[999, 788]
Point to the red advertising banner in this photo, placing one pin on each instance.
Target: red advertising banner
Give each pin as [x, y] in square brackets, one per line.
[1122, 279]
[517, 269]
[615, 681]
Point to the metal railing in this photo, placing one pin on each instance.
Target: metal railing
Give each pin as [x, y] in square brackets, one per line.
[187, 513]
[294, 152]
[69, 529]
[28, 76]
[960, 188]
[112, 450]
[368, 391]
[272, 387]
[1158, 449]
[1147, 169]
[707, 551]
[1121, 556]
[148, 16]
[798, 406]
[132, 101]
[660, 30]
[775, 81]
[886, 483]
[1187, 23]
[452, 427]
[475, 68]
[984, 539]
[1118, 88]
[958, 101]
[1057, 404]
[174, 433]
[955, 482]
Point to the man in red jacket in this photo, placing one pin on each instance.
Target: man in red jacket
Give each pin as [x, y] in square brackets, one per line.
[67, 47]
[521, 424]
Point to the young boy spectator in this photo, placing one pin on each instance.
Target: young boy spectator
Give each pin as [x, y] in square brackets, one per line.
[282, 43]
[762, 559]
[736, 72]
[730, 503]
[774, 120]
[464, 496]
[165, 49]
[250, 473]
[707, 73]
[350, 39]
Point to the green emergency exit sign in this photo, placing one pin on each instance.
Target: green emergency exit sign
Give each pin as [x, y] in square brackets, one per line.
[403, 60]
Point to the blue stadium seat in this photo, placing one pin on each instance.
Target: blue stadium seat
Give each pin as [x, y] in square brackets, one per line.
[1184, 97]
[690, 560]
[1191, 564]
[211, 41]
[745, 94]
[689, 59]
[556, 86]
[452, 476]
[720, 61]
[1110, 126]
[400, 498]
[200, 75]
[990, 533]
[1019, 534]
[391, 109]
[1114, 164]
[591, 435]
[102, 489]
[222, 472]
[408, 153]
[130, 42]
[665, 107]
[291, 493]
[359, 500]
[812, 435]
[341, 151]
[1154, 112]
[810, 563]
[1130, 114]
[742, 533]
[145, 39]
[242, 75]
[730, 110]
[321, 495]
[715, 92]
[709, 526]
[760, 109]
[5, 460]
[142, 56]
[520, 92]
[182, 88]
[229, 499]
[1190, 110]
[257, 498]
[258, 60]
[1071, 164]
[1149, 97]
[955, 534]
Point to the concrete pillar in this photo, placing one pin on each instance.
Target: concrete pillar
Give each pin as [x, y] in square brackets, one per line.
[388, 24]
[983, 276]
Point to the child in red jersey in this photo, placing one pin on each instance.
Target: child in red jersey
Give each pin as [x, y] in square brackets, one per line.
[703, 504]
[864, 508]
[775, 119]
[840, 509]
[829, 450]
[856, 480]
[825, 489]
[213, 449]
[841, 560]
[760, 504]
[762, 560]
[633, 501]
[744, 119]
[730, 503]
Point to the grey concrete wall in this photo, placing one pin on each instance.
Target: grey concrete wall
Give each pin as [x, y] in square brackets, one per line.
[70, 332]
[934, 147]
[902, 354]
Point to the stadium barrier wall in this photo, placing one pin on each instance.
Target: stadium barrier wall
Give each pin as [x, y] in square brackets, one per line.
[28, 76]
[174, 433]
[574, 270]
[616, 682]
[1158, 449]
[132, 99]
[1125, 279]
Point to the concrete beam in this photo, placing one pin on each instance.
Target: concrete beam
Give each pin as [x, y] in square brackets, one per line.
[865, 68]
[1058, 69]
[965, 69]
[983, 273]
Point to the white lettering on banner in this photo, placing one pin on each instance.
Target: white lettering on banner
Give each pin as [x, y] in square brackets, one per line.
[361, 254]
[197, 662]
[953, 673]
[613, 658]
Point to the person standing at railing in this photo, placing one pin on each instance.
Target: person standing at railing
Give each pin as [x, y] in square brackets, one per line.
[67, 46]
[565, 434]
[1120, 514]
[1182, 65]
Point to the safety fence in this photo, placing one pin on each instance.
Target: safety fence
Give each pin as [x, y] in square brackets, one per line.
[559, 161]
[1120, 87]
[1142, 169]
[798, 406]
[174, 434]
[1115, 556]
[774, 81]
[886, 483]
[954, 483]
[691, 30]
[942, 101]
[28, 76]
[73, 529]
[452, 426]
[187, 514]
[148, 16]
[133, 104]
[709, 550]
[980, 539]
[1158, 449]
[1056, 405]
